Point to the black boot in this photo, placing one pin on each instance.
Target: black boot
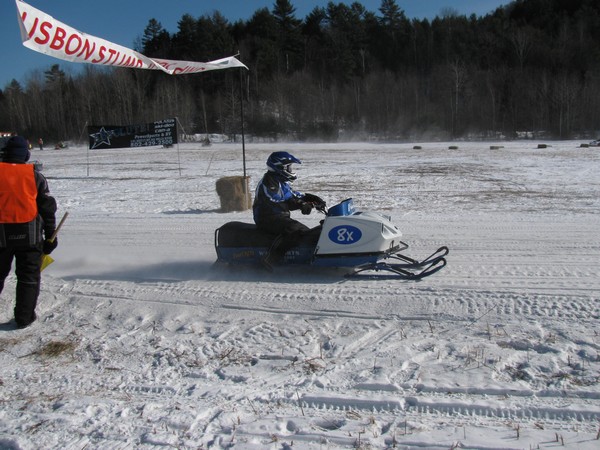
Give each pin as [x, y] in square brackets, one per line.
[27, 295]
[275, 254]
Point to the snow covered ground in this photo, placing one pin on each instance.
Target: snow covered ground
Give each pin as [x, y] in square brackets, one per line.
[140, 343]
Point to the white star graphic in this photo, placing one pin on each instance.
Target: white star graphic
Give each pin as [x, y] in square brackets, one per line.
[101, 137]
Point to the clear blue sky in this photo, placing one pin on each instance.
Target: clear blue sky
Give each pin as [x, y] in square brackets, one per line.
[122, 21]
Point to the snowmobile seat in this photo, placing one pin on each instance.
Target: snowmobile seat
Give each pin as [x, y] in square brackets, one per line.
[240, 234]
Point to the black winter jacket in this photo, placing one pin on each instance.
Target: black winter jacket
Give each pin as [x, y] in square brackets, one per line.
[274, 198]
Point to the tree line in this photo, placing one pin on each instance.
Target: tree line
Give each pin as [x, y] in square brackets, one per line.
[343, 72]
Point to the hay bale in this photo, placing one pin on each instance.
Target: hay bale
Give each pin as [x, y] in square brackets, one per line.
[234, 193]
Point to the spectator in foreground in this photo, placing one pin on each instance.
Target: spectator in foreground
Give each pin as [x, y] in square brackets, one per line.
[27, 223]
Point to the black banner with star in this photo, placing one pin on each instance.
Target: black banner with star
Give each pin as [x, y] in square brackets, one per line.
[162, 132]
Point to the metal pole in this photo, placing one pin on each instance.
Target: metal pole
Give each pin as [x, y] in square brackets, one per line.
[242, 120]
[177, 137]
[88, 147]
[245, 182]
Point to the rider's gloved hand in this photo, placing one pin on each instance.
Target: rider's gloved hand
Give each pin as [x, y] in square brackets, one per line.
[316, 201]
[306, 208]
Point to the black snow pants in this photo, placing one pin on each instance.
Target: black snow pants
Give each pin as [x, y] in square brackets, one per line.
[289, 233]
[27, 269]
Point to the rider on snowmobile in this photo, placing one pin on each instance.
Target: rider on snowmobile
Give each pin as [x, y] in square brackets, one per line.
[273, 201]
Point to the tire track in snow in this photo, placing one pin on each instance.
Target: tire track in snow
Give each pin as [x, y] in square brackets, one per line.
[346, 348]
[414, 303]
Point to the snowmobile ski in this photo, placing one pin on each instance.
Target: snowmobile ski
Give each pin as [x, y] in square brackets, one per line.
[411, 269]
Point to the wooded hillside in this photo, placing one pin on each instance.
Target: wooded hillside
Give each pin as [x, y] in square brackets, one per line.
[343, 72]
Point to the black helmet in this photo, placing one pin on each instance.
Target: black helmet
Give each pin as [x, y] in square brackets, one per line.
[281, 164]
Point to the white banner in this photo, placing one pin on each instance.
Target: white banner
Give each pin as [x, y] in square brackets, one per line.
[44, 34]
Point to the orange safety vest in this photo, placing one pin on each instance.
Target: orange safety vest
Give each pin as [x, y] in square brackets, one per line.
[18, 193]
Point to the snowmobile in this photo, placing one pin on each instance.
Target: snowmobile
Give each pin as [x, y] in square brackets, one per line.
[364, 241]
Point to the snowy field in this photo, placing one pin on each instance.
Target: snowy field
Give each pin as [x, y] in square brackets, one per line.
[141, 344]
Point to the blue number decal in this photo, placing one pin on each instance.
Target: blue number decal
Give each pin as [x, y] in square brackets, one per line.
[345, 234]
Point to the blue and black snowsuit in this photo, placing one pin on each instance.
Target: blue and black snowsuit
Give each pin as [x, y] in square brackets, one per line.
[273, 201]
